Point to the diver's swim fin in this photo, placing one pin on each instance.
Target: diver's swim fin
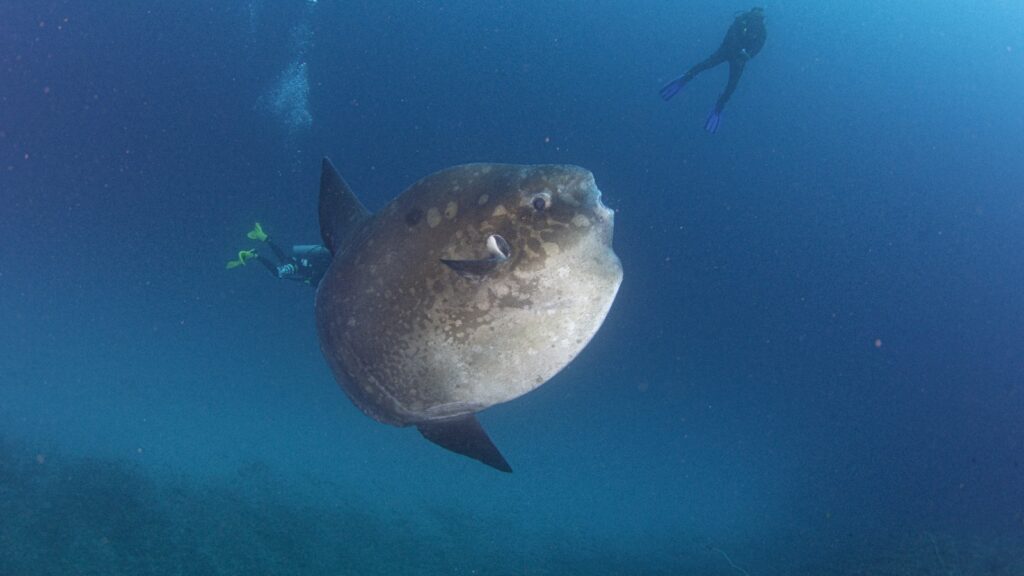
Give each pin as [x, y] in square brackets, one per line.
[257, 233]
[672, 88]
[714, 119]
[464, 435]
[243, 257]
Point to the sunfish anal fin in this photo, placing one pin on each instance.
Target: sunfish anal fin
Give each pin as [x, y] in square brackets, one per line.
[464, 435]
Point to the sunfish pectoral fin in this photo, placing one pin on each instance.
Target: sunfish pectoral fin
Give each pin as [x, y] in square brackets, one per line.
[473, 268]
[464, 435]
[499, 251]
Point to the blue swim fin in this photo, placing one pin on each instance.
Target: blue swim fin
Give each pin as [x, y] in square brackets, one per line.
[714, 119]
[672, 88]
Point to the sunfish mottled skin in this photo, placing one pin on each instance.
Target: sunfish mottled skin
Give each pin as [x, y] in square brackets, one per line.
[473, 287]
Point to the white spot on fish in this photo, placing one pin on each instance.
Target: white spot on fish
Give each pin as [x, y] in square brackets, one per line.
[433, 217]
[580, 221]
[451, 210]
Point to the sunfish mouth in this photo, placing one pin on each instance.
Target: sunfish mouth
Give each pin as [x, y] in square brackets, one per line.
[603, 213]
[603, 216]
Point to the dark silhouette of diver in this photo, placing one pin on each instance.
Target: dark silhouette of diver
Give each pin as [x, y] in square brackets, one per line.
[306, 263]
[742, 42]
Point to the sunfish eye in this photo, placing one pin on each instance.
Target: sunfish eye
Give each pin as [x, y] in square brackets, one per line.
[540, 203]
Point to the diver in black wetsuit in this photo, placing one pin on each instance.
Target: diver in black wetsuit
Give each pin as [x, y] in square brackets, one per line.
[742, 42]
[307, 263]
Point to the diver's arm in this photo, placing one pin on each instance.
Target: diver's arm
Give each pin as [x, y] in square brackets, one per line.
[757, 43]
[733, 40]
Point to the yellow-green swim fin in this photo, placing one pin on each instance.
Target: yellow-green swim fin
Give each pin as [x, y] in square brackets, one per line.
[243, 257]
[257, 233]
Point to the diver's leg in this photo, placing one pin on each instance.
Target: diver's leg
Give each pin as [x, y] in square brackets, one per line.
[281, 256]
[715, 117]
[673, 87]
[267, 263]
[712, 61]
[669, 90]
[736, 66]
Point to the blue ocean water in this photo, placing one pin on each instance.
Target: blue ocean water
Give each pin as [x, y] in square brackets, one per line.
[815, 364]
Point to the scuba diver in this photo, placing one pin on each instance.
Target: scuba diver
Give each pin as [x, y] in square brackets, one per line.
[306, 264]
[742, 42]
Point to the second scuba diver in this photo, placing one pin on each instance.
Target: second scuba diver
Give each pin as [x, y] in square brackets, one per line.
[742, 41]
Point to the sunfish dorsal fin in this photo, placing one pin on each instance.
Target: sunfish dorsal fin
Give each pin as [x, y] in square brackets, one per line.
[464, 435]
[341, 213]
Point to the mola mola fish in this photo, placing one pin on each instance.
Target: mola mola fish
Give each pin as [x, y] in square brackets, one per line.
[473, 287]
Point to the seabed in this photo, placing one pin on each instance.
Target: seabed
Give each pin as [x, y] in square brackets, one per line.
[66, 515]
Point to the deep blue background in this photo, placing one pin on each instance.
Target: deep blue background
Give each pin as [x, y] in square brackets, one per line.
[820, 329]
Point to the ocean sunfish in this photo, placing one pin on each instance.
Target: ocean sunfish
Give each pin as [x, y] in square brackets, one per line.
[473, 287]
